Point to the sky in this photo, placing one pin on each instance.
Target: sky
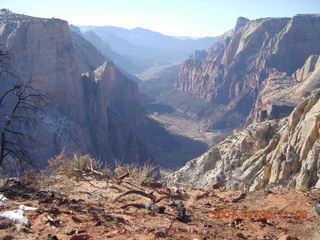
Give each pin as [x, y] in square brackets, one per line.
[196, 18]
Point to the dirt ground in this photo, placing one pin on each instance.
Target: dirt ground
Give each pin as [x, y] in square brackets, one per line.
[92, 209]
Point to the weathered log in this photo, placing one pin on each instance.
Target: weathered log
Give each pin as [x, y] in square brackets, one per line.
[151, 207]
[144, 194]
[123, 176]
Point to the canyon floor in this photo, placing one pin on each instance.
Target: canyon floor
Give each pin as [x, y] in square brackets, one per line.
[96, 209]
[195, 129]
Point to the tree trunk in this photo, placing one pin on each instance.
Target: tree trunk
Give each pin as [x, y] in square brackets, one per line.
[3, 140]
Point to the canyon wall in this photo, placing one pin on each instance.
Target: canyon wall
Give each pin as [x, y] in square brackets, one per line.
[266, 154]
[93, 107]
[259, 63]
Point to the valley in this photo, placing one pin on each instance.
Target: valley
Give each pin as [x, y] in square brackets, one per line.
[126, 133]
[172, 115]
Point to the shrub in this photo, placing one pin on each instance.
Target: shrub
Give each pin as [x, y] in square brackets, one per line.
[80, 164]
[138, 173]
[306, 94]
[191, 202]
[57, 163]
[31, 178]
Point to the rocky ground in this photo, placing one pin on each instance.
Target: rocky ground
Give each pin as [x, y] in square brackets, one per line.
[265, 154]
[98, 209]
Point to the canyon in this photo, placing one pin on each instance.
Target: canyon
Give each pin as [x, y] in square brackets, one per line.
[257, 75]
[249, 83]
[257, 64]
[225, 145]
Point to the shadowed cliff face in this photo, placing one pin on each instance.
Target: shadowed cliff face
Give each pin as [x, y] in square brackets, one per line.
[114, 113]
[95, 112]
[254, 59]
[271, 153]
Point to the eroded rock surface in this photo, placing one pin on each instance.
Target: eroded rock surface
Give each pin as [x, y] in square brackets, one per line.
[270, 153]
[94, 109]
[259, 63]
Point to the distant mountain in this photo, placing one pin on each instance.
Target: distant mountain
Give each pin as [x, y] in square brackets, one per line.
[144, 48]
[104, 51]
[148, 38]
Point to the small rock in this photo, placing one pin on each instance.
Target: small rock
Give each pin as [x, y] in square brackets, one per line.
[52, 237]
[318, 206]
[287, 237]
[80, 237]
[5, 225]
[237, 221]
[157, 209]
[8, 237]
[72, 232]
[177, 203]
[54, 222]
[160, 234]
[76, 220]
[99, 223]
[215, 186]
[182, 214]
[3, 198]
[54, 211]
[207, 225]
[240, 235]
[242, 196]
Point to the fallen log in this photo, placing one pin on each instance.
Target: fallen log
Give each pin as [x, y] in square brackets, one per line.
[123, 176]
[144, 194]
[136, 205]
[151, 207]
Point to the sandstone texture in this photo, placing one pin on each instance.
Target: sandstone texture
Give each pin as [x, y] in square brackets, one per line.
[259, 63]
[266, 154]
[94, 108]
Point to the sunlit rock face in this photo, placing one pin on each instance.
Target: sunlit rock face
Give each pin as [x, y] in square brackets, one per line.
[259, 63]
[93, 108]
[275, 152]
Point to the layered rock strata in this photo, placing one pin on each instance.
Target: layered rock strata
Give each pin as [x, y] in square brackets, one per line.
[259, 63]
[93, 109]
[275, 152]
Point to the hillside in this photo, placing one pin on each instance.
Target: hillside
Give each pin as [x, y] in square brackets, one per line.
[258, 64]
[270, 153]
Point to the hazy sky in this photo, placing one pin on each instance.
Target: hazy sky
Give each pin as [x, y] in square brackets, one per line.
[171, 17]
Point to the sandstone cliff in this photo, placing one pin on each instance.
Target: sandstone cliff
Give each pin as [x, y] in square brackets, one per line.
[259, 63]
[275, 152]
[95, 112]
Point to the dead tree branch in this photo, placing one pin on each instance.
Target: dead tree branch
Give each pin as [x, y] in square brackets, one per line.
[26, 102]
[144, 194]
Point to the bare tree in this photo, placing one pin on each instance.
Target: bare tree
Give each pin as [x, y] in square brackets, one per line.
[20, 104]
